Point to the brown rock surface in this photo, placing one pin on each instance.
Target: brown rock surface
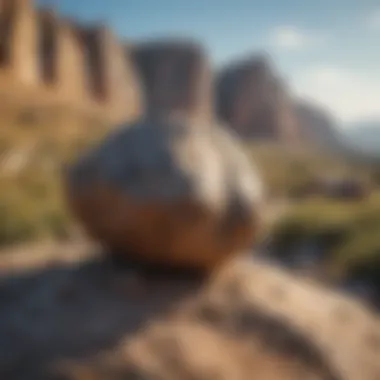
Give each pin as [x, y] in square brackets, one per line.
[112, 79]
[47, 60]
[20, 40]
[93, 320]
[168, 191]
[255, 102]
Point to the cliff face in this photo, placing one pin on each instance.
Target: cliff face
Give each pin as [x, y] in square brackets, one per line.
[90, 68]
[254, 101]
[50, 60]
[20, 39]
[86, 67]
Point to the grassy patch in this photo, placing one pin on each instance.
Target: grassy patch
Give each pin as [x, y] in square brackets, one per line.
[34, 146]
[348, 231]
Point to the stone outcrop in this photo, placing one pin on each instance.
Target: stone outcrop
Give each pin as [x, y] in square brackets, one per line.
[176, 78]
[255, 102]
[111, 76]
[168, 191]
[20, 39]
[47, 59]
[87, 319]
[61, 62]
[66, 63]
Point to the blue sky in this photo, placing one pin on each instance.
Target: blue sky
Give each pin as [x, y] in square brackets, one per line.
[327, 49]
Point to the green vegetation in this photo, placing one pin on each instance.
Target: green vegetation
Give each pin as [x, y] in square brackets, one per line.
[347, 231]
[32, 154]
[287, 170]
[32, 207]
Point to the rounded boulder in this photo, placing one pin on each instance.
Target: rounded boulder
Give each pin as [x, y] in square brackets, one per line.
[170, 192]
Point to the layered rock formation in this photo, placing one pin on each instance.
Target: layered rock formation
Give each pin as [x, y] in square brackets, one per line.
[255, 103]
[60, 59]
[54, 61]
[19, 39]
[60, 62]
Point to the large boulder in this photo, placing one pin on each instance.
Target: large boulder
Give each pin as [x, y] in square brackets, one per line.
[168, 191]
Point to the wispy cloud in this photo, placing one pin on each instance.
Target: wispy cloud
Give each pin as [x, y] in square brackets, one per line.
[291, 38]
[352, 95]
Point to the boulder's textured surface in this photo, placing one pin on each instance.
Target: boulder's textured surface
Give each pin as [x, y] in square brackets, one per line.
[176, 77]
[93, 321]
[168, 191]
[255, 102]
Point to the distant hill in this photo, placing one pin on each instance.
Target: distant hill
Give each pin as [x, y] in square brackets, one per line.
[256, 102]
[317, 125]
[364, 136]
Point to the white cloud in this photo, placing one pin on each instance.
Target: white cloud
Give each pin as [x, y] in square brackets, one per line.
[291, 38]
[373, 20]
[349, 94]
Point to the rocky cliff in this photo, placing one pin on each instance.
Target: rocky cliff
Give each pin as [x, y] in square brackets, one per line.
[59, 61]
[47, 59]
[255, 101]
[175, 77]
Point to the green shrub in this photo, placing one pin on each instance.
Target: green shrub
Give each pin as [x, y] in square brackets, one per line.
[349, 231]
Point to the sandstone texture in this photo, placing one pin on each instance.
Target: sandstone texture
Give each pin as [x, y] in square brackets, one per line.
[53, 61]
[168, 191]
[49, 61]
[255, 102]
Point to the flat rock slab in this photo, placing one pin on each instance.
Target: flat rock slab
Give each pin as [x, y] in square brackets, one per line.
[95, 320]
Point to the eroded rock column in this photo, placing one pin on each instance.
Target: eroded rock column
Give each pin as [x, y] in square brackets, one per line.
[23, 41]
[111, 76]
[176, 78]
